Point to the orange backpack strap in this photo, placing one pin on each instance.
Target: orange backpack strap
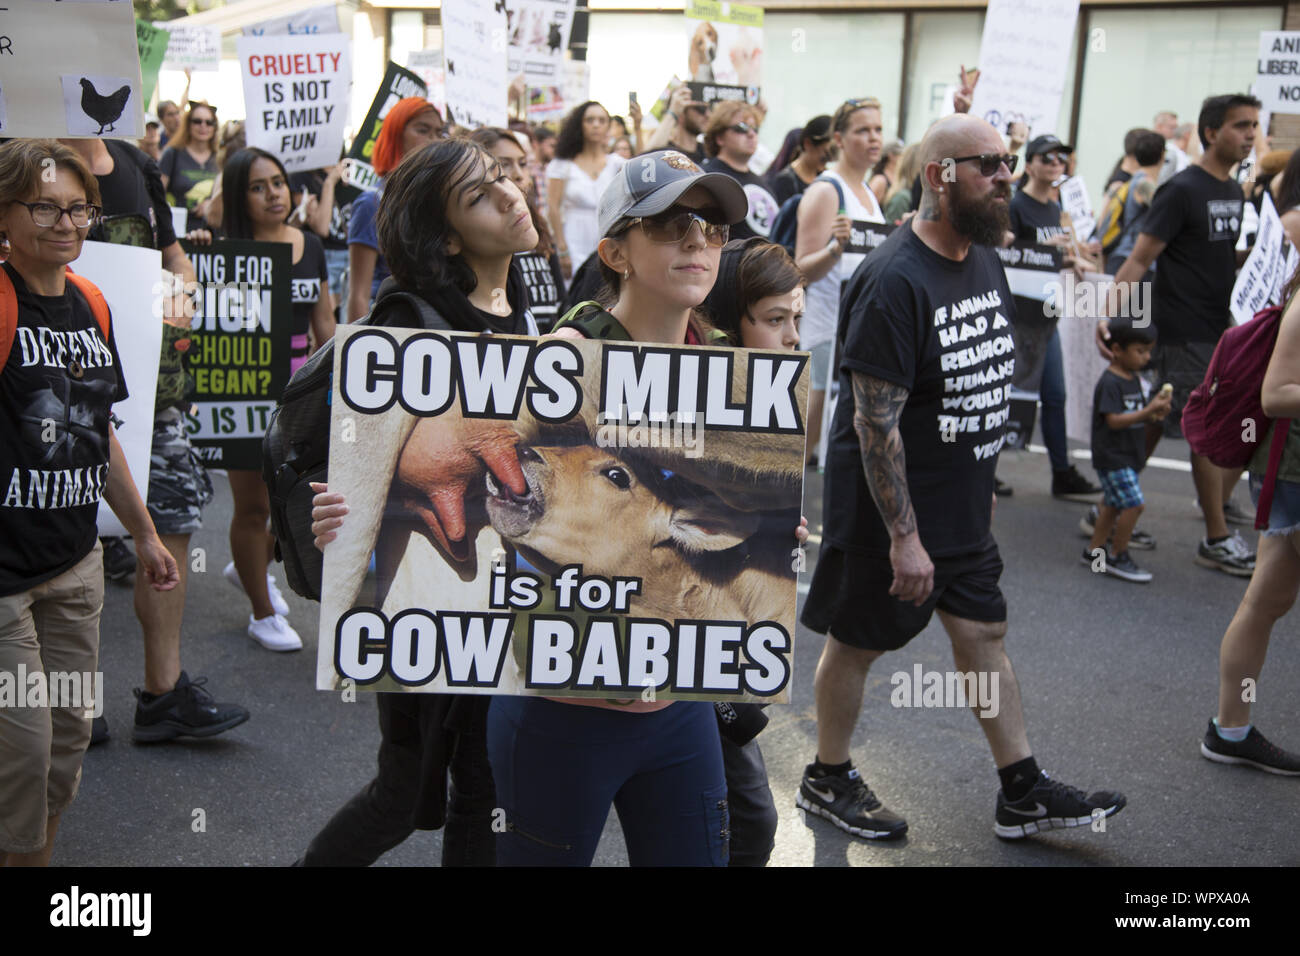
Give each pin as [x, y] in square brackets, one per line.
[98, 304]
[8, 316]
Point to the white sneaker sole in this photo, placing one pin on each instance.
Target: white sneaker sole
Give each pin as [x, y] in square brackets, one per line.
[1225, 568]
[1022, 830]
[803, 803]
[1209, 754]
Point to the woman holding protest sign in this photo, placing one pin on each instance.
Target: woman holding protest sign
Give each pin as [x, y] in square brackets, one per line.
[189, 163]
[409, 125]
[256, 203]
[451, 224]
[59, 456]
[577, 176]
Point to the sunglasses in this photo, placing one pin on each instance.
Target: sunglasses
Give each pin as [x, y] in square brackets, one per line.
[989, 162]
[674, 227]
[742, 128]
[1062, 158]
[200, 121]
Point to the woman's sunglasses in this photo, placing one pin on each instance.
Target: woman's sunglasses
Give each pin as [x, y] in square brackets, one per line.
[742, 128]
[674, 227]
[200, 121]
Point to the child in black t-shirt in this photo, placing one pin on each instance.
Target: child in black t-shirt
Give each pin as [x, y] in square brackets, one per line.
[1120, 409]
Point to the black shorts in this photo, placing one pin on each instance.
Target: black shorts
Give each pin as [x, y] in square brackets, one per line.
[849, 597]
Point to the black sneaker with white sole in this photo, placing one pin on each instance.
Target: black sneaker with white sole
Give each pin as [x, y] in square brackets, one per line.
[1052, 805]
[1138, 539]
[187, 710]
[847, 801]
[1255, 751]
[1125, 568]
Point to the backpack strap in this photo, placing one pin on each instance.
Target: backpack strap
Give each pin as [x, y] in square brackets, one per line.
[1275, 450]
[839, 190]
[95, 299]
[591, 319]
[9, 309]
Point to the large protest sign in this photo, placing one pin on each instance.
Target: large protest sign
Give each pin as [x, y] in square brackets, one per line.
[1081, 306]
[358, 173]
[151, 43]
[192, 47]
[724, 59]
[1024, 54]
[474, 54]
[128, 276]
[313, 20]
[427, 65]
[70, 70]
[1278, 81]
[239, 350]
[537, 33]
[1267, 268]
[646, 549]
[296, 94]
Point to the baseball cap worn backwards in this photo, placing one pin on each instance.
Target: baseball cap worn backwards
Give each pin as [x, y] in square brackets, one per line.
[651, 183]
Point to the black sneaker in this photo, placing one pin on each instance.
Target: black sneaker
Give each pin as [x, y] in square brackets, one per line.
[847, 801]
[1125, 568]
[1071, 485]
[1137, 540]
[1052, 805]
[98, 730]
[119, 560]
[1254, 751]
[1001, 489]
[187, 710]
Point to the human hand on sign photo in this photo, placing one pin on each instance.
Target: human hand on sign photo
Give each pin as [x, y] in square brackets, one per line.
[963, 95]
[447, 457]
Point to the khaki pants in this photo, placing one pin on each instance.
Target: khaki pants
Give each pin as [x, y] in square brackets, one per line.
[52, 628]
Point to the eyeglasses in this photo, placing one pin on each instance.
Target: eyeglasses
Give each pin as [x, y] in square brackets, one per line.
[989, 162]
[676, 227]
[200, 121]
[47, 214]
[742, 128]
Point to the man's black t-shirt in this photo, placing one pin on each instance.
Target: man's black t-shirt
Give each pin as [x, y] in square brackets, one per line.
[1114, 448]
[1199, 217]
[1034, 221]
[942, 330]
[57, 388]
[763, 206]
[314, 181]
[135, 186]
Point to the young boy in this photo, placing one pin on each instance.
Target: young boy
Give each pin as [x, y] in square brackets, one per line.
[1120, 410]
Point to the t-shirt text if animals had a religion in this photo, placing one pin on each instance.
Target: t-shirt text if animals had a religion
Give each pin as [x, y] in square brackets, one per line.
[57, 389]
[942, 330]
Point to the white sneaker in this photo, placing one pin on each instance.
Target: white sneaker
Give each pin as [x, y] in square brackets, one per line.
[278, 603]
[274, 633]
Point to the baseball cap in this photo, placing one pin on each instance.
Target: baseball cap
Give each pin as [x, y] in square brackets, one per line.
[649, 184]
[1047, 143]
[818, 129]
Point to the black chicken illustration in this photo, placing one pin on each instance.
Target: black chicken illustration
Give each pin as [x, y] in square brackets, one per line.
[451, 68]
[499, 6]
[553, 38]
[104, 110]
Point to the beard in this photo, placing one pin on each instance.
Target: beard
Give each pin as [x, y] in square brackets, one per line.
[983, 221]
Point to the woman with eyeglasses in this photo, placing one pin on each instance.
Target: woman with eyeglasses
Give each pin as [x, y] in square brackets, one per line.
[575, 179]
[411, 124]
[813, 151]
[58, 457]
[730, 141]
[826, 216]
[189, 163]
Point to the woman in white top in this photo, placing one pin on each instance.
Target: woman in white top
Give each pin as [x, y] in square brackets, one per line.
[577, 177]
[823, 232]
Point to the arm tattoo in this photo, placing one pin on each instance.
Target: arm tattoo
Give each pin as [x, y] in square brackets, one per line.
[877, 407]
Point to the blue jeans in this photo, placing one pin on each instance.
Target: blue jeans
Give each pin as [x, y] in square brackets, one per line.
[1051, 392]
[559, 767]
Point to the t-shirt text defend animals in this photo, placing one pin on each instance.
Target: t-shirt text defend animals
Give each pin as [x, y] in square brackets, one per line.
[941, 329]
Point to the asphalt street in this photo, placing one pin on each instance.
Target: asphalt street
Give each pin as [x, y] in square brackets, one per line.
[1118, 681]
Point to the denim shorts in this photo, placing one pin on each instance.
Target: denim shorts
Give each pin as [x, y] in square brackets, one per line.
[1284, 515]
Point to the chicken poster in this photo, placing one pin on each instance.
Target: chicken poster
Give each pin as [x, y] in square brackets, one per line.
[238, 354]
[474, 54]
[70, 70]
[537, 34]
[724, 58]
[564, 518]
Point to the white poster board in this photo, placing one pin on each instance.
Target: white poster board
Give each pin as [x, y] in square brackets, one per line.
[129, 276]
[1278, 82]
[538, 34]
[1075, 201]
[296, 95]
[69, 70]
[1259, 284]
[474, 53]
[322, 19]
[724, 50]
[427, 65]
[1083, 363]
[192, 47]
[1024, 55]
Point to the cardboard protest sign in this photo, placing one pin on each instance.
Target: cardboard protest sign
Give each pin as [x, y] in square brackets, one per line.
[313, 20]
[1024, 54]
[1076, 202]
[1260, 282]
[724, 58]
[427, 65]
[645, 549]
[358, 174]
[1278, 81]
[537, 33]
[129, 278]
[474, 54]
[192, 47]
[151, 42]
[866, 236]
[70, 70]
[1033, 272]
[296, 94]
[239, 351]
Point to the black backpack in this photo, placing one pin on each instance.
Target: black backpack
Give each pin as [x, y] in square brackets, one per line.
[295, 451]
[785, 228]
